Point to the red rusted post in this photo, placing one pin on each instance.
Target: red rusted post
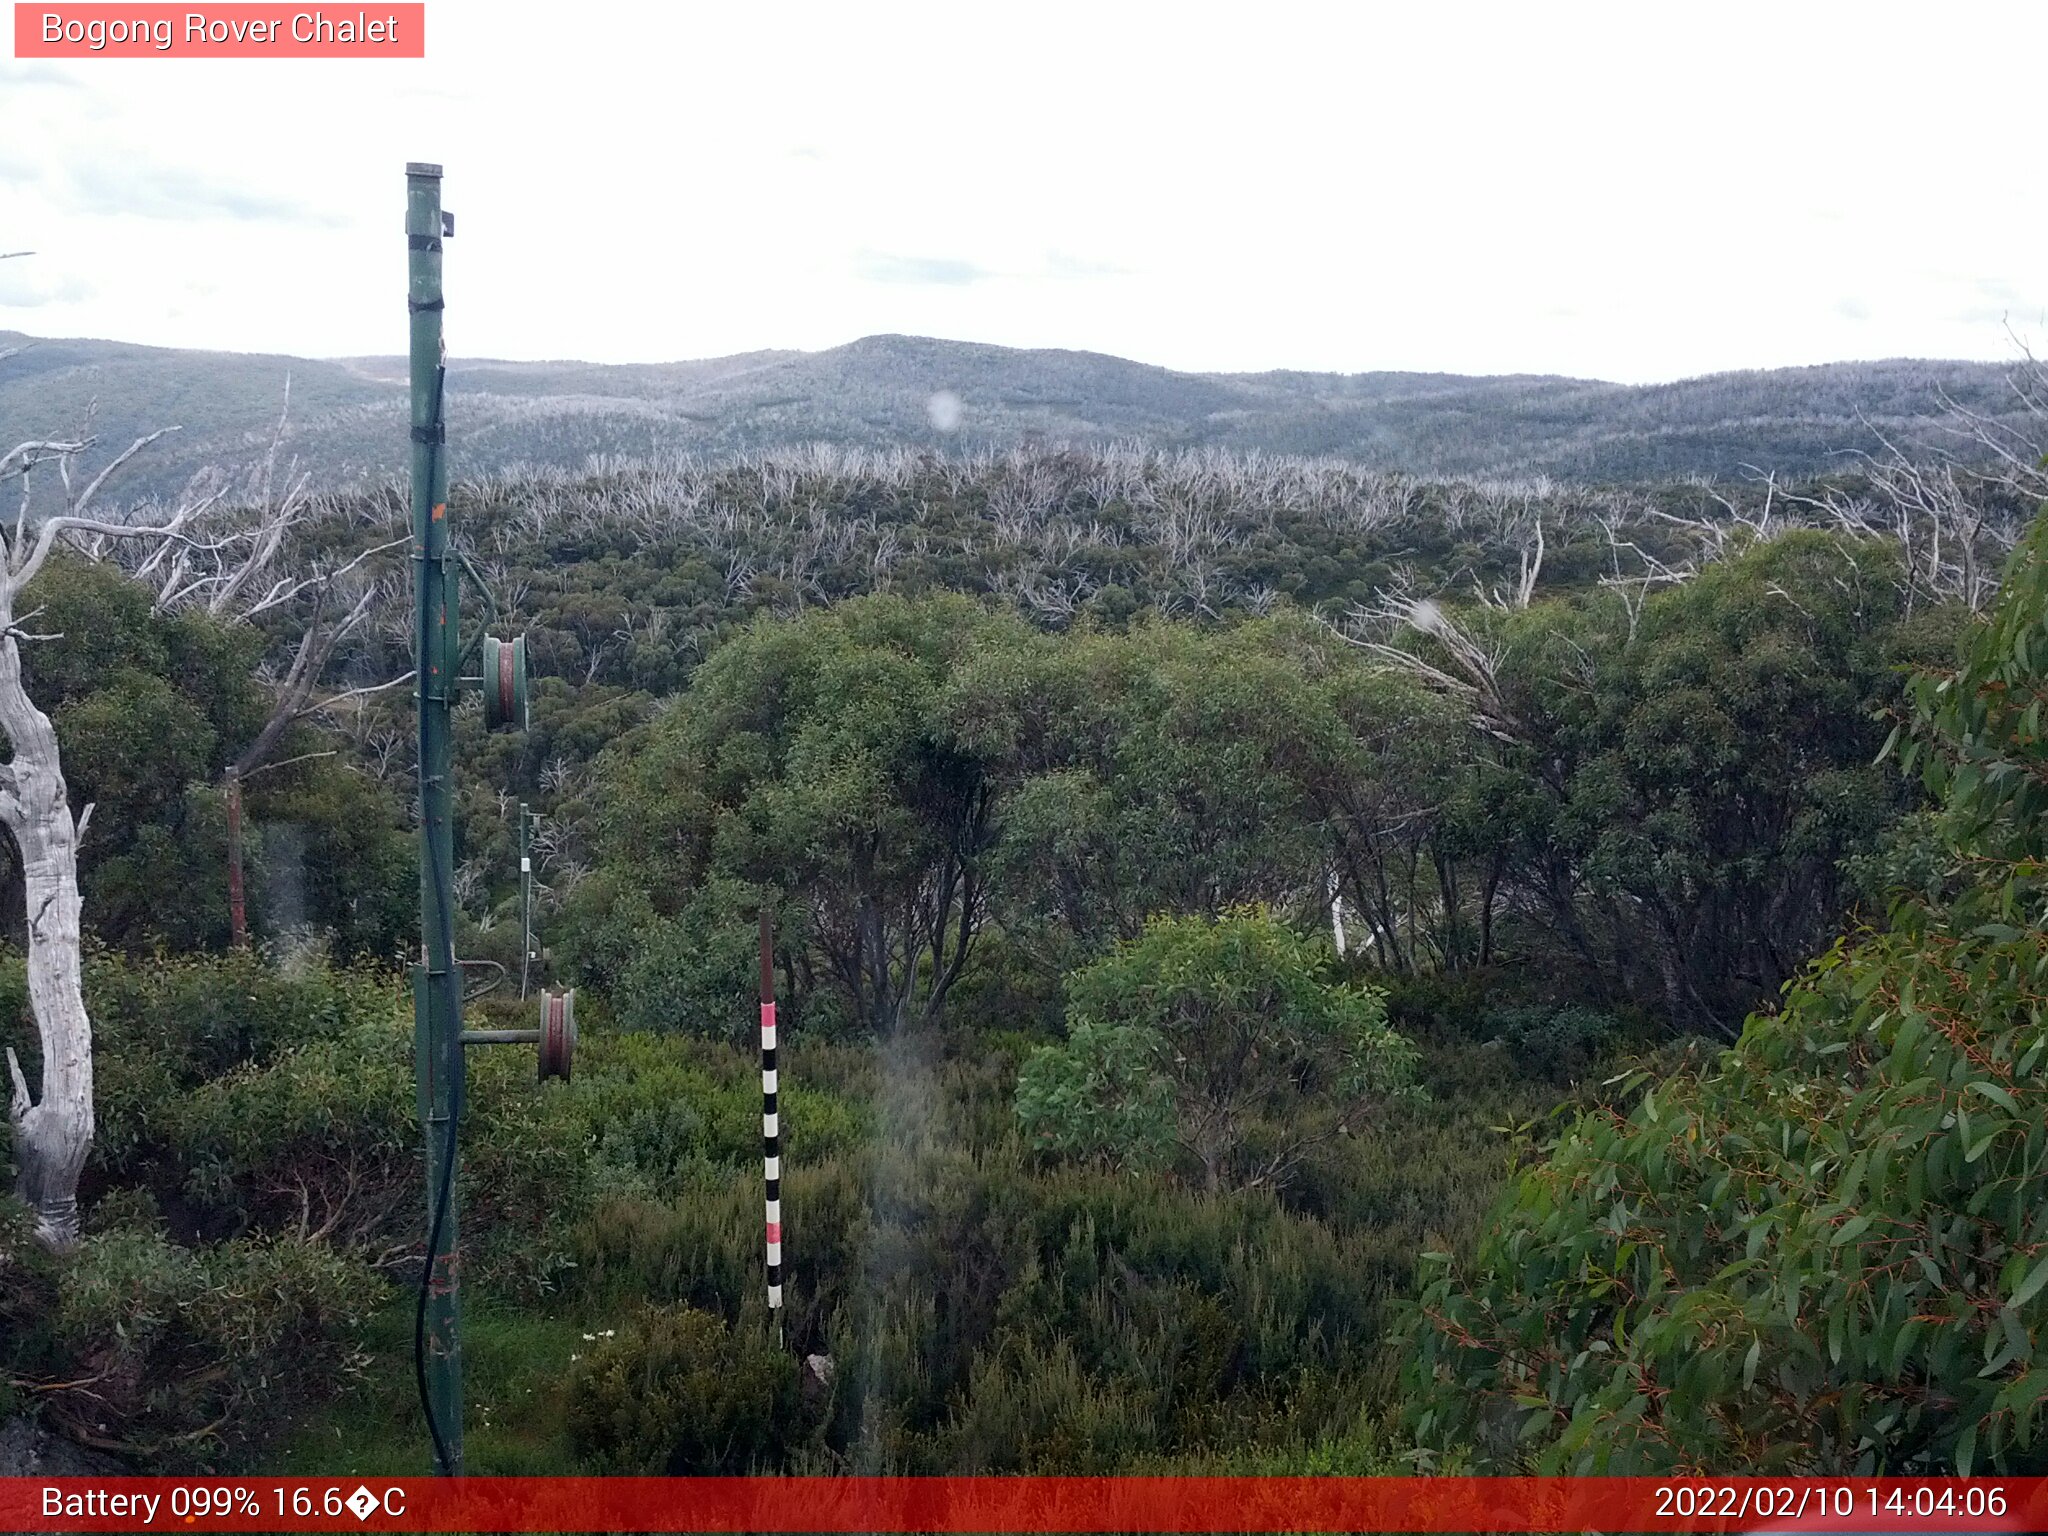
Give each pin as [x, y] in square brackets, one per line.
[238, 912]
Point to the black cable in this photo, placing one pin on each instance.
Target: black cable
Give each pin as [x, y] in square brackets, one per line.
[419, 1324]
[444, 883]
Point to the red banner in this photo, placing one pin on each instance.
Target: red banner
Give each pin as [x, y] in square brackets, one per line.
[228, 31]
[997, 1504]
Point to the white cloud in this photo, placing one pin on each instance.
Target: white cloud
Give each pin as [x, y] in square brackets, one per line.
[944, 271]
[1632, 192]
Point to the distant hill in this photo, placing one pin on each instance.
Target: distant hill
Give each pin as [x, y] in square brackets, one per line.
[347, 414]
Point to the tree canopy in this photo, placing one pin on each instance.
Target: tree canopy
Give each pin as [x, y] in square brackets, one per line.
[1221, 1037]
[1828, 1251]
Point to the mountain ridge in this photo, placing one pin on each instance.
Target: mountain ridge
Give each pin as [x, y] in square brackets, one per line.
[347, 414]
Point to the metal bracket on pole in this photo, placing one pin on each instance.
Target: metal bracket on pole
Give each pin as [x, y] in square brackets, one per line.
[556, 1037]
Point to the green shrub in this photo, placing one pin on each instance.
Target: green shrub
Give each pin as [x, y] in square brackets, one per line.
[1005, 990]
[660, 1112]
[1222, 1037]
[28, 1299]
[678, 1391]
[986, 1313]
[316, 1136]
[321, 1140]
[167, 1025]
[1101, 1096]
[183, 1347]
[1043, 1412]
[1561, 1044]
[1438, 1006]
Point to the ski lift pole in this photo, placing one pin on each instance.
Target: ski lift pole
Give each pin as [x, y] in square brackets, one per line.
[437, 983]
[439, 658]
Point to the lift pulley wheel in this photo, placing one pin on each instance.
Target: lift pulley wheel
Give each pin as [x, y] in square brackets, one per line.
[504, 683]
[557, 1033]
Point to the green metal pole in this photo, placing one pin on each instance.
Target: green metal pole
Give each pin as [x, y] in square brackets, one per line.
[437, 989]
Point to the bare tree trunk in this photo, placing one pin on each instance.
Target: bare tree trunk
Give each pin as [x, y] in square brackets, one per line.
[52, 1134]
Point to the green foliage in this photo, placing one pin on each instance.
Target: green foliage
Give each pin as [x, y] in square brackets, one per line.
[956, 811]
[144, 706]
[1008, 997]
[1159, 769]
[1824, 1254]
[810, 759]
[149, 709]
[1220, 1036]
[172, 1027]
[328, 850]
[1562, 1044]
[319, 1140]
[664, 1113]
[1164, 768]
[984, 1310]
[1631, 835]
[691, 970]
[1101, 1095]
[988, 1310]
[176, 1353]
[1691, 783]
[678, 1391]
[250, 1100]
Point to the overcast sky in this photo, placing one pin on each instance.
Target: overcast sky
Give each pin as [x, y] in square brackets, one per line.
[1641, 192]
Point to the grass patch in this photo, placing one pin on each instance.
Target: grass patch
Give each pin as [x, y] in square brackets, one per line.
[515, 1424]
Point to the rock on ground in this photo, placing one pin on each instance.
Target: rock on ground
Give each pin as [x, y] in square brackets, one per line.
[27, 1450]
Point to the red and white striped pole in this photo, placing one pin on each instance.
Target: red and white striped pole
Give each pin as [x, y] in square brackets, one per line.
[771, 1127]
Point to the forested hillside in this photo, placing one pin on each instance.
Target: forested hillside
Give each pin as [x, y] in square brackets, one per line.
[1284, 967]
[914, 390]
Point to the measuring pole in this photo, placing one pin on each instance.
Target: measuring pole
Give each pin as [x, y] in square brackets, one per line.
[437, 984]
[771, 1125]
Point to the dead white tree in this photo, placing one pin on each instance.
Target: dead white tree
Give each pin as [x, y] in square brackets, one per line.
[1954, 506]
[1524, 589]
[1468, 670]
[1645, 571]
[53, 1129]
[1955, 517]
